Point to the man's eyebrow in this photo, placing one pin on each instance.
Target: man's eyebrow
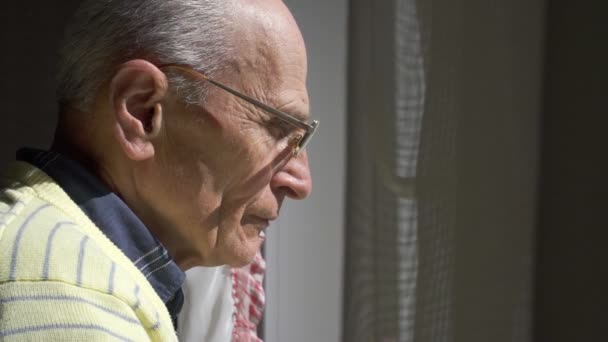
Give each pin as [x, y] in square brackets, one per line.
[295, 112]
[300, 115]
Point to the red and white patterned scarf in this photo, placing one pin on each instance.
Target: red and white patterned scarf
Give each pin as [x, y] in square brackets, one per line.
[249, 300]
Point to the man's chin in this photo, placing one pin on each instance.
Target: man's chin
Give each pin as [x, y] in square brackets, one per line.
[245, 254]
[241, 261]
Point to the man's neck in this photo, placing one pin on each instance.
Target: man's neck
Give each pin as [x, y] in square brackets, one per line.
[75, 140]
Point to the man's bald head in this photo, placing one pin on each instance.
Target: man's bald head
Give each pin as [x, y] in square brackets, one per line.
[104, 34]
[208, 34]
[267, 40]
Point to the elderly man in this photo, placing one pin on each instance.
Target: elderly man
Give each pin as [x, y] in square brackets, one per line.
[182, 128]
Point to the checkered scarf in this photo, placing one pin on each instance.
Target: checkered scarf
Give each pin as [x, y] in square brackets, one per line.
[249, 299]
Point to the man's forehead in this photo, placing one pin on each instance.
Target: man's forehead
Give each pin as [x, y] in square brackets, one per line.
[269, 26]
[270, 63]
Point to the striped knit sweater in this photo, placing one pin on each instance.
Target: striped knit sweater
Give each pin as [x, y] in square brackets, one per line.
[61, 278]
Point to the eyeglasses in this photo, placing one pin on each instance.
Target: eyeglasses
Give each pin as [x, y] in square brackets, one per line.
[299, 143]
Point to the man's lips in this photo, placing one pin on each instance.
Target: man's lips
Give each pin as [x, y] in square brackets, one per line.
[255, 220]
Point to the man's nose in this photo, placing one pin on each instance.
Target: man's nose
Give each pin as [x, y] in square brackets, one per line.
[294, 178]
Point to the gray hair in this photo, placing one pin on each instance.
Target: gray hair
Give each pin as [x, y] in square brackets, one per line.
[105, 33]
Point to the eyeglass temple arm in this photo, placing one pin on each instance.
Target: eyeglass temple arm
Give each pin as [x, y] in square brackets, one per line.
[310, 128]
[282, 115]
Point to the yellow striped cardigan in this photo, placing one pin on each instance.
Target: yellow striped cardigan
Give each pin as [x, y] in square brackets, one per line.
[61, 278]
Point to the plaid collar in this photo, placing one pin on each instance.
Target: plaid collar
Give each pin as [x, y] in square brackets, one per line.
[116, 221]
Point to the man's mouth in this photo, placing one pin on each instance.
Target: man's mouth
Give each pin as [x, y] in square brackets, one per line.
[262, 229]
[258, 223]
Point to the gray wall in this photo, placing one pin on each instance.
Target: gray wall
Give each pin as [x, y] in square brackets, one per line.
[497, 148]
[304, 249]
[572, 277]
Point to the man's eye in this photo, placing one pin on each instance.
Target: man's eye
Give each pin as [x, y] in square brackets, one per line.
[279, 128]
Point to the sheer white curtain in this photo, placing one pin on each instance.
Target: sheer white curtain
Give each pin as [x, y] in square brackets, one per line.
[444, 105]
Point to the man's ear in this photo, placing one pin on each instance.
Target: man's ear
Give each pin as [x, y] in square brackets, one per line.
[136, 91]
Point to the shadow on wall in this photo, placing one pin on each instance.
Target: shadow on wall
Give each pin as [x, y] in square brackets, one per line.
[31, 35]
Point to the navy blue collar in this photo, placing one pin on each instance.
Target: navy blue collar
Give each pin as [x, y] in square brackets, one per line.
[116, 221]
